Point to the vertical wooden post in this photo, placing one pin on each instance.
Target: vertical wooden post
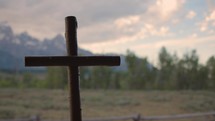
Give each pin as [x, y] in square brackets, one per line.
[73, 71]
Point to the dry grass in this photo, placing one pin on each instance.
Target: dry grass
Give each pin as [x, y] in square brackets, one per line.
[53, 104]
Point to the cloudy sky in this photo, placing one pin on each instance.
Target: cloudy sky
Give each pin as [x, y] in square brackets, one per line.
[143, 26]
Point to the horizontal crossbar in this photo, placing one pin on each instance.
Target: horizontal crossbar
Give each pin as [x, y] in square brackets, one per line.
[73, 61]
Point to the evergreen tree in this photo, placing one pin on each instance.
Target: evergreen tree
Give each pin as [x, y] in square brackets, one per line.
[140, 72]
[166, 69]
[190, 75]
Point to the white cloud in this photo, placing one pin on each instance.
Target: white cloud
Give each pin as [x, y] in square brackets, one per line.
[127, 21]
[194, 35]
[156, 31]
[166, 8]
[164, 31]
[98, 32]
[175, 21]
[148, 30]
[190, 15]
[210, 17]
[122, 30]
[203, 26]
[208, 21]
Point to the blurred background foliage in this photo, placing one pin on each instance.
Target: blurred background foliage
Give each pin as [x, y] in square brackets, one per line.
[170, 73]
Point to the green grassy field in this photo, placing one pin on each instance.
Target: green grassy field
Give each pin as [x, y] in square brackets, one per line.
[53, 104]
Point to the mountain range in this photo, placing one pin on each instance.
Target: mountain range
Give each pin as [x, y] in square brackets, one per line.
[14, 47]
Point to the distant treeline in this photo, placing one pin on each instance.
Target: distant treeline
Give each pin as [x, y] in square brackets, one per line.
[171, 73]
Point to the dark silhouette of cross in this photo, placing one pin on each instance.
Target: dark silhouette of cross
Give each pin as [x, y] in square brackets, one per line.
[73, 61]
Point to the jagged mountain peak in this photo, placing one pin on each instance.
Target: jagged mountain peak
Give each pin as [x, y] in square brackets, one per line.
[24, 35]
[59, 37]
[6, 32]
[25, 38]
[23, 44]
[13, 48]
[5, 28]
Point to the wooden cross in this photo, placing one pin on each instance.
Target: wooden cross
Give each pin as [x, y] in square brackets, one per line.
[73, 61]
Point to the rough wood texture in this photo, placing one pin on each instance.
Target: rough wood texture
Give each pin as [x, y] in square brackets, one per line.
[73, 61]
[72, 50]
